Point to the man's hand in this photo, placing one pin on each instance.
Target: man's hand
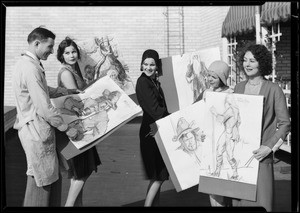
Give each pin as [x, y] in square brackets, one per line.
[72, 133]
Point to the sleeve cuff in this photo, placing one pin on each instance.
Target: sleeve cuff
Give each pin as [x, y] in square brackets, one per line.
[277, 145]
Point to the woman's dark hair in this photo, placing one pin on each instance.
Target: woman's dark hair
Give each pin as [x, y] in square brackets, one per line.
[62, 46]
[262, 55]
[40, 34]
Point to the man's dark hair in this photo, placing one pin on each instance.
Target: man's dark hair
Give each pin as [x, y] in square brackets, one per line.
[40, 34]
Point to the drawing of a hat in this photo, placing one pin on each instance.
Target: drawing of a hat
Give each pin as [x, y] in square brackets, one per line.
[184, 127]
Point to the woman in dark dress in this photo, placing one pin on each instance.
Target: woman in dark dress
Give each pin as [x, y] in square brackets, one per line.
[151, 99]
[81, 166]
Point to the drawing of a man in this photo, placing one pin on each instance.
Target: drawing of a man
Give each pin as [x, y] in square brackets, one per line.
[231, 120]
[189, 137]
[96, 110]
[196, 76]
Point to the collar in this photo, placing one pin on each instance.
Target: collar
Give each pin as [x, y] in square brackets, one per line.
[32, 55]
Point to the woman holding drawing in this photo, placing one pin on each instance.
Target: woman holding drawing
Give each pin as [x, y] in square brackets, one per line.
[257, 63]
[151, 99]
[81, 166]
[218, 73]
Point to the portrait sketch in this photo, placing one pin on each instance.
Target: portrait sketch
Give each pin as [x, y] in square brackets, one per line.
[213, 138]
[180, 139]
[98, 110]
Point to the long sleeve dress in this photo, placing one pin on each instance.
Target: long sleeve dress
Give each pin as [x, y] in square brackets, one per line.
[151, 99]
[275, 126]
[85, 163]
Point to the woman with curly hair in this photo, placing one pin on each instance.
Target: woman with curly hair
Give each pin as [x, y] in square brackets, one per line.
[257, 63]
[80, 167]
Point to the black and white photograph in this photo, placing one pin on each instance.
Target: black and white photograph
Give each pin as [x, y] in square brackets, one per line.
[89, 87]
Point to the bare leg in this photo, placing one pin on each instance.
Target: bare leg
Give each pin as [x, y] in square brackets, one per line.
[78, 201]
[75, 192]
[152, 198]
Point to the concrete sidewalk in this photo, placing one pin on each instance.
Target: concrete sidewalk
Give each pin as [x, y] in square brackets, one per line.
[120, 179]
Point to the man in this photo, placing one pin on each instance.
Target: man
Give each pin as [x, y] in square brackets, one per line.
[36, 117]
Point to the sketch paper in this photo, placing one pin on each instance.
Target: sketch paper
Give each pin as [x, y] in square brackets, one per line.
[188, 140]
[99, 57]
[102, 107]
[185, 77]
[182, 156]
[235, 121]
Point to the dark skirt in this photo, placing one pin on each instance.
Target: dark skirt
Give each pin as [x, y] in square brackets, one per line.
[81, 165]
[153, 163]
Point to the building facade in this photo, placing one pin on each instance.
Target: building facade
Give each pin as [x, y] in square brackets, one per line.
[134, 29]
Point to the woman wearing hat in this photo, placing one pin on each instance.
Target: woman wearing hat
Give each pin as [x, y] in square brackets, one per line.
[151, 99]
[218, 73]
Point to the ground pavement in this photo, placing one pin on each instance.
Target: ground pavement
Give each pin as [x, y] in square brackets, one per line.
[120, 181]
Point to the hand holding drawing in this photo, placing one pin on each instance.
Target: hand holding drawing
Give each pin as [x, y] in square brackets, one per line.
[262, 152]
[72, 133]
[153, 129]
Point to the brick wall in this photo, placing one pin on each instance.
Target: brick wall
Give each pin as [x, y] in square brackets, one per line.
[283, 49]
[203, 27]
[134, 29]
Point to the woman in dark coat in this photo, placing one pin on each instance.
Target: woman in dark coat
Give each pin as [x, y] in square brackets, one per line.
[151, 99]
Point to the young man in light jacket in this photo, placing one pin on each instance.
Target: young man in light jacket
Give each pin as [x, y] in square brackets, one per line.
[36, 117]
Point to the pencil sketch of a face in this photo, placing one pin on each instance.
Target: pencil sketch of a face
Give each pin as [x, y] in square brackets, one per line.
[189, 137]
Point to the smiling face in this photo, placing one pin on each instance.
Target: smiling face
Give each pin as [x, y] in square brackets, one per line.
[149, 66]
[214, 80]
[251, 65]
[70, 55]
[44, 48]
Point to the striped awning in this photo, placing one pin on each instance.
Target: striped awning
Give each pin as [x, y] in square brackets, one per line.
[239, 20]
[274, 12]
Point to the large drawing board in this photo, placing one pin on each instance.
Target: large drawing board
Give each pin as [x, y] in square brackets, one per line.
[185, 76]
[250, 109]
[118, 110]
[183, 167]
[188, 168]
